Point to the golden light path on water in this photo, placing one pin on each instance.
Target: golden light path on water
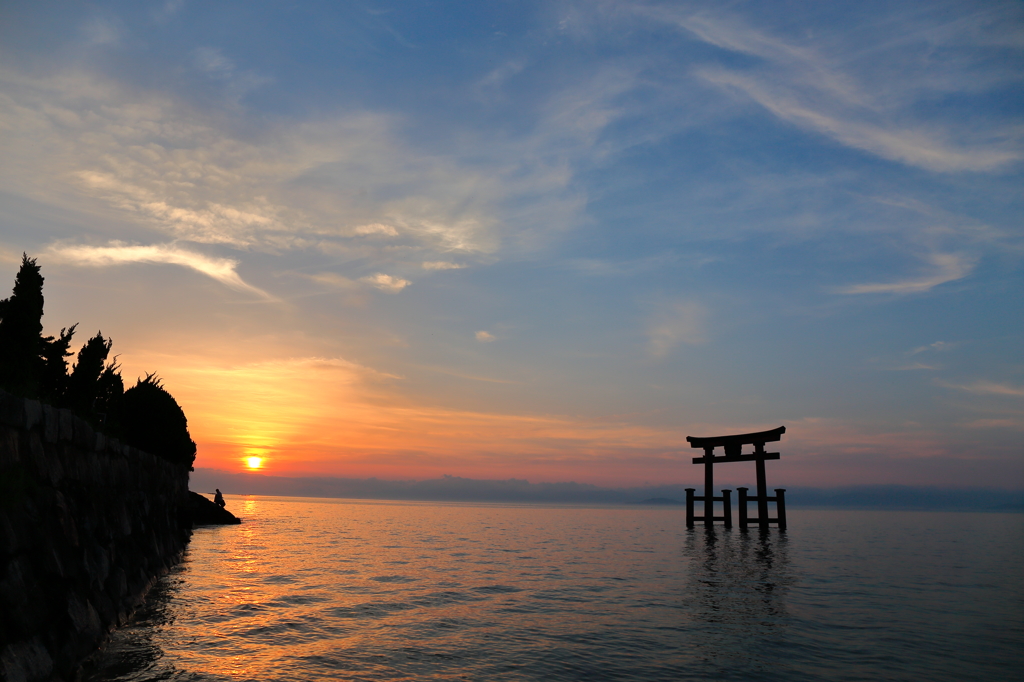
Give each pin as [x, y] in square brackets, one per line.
[338, 589]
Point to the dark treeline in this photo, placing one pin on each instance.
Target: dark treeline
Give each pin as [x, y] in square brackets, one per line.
[35, 366]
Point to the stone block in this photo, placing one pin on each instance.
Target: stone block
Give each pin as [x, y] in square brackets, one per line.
[124, 524]
[12, 410]
[117, 584]
[49, 560]
[67, 425]
[107, 610]
[9, 447]
[85, 436]
[8, 536]
[25, 661]
[67, 520]
[33, 414]
[98, 564]
[46, 464]
[51, 424]
[84, 617]
[13, 589]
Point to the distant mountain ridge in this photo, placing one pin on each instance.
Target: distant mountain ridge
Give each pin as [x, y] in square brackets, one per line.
[457, 489]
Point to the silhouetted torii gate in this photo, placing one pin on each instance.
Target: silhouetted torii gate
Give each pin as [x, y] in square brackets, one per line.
[733, 446]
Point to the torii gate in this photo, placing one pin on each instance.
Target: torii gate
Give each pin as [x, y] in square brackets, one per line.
[733, 446]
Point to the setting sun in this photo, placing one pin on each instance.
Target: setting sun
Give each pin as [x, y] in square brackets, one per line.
[254, 462]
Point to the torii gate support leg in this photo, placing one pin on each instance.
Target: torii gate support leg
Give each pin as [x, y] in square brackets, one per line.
[762, 495]
[709, 489]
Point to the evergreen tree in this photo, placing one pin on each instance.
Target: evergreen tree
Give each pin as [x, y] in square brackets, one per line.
[83, 384]
[54, 380]
[21, 327]
[107, 405]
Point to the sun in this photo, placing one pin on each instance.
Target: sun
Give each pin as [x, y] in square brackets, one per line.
[254, 462]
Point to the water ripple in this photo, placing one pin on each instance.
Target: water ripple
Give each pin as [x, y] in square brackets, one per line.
[462, 592]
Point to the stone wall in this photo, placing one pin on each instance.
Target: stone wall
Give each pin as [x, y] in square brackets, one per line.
[87, 525]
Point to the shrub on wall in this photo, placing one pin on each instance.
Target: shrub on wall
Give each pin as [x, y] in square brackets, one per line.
[153, 421]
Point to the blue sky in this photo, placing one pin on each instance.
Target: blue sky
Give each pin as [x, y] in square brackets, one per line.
[538, 240]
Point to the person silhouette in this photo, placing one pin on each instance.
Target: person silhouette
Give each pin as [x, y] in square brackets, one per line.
[218, 499]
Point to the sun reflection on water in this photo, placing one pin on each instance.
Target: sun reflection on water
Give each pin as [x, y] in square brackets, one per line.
[340, 590]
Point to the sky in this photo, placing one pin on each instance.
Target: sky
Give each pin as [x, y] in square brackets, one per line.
[543, 241]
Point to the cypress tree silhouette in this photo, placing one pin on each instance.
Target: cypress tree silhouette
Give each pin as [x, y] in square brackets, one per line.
[153, 421]
[83, 384]
[54, 380]
[21, 327]
[107, 405]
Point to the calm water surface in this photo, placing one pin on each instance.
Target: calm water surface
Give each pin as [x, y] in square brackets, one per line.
[336, 589]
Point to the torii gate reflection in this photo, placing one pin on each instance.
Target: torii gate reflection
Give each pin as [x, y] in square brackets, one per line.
[733, 446]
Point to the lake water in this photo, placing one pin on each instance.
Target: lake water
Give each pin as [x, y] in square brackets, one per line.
[351, 590]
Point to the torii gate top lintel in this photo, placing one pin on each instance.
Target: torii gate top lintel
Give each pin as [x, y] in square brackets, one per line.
[733, 446]
[738, 439]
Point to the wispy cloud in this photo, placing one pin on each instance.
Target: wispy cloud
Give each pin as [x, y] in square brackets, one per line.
[936, 347]
[376, 229]
[913, 367]
[151, 159]
[946, 267]
[484, 337]
[213, 62]
[983, 387]
[489, 86]
[676, 323]
[441, 265]
[335, 280]
[812, 86]
[117, 253]
[914, 146]
[386, 283]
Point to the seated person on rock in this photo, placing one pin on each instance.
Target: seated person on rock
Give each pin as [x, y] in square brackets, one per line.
[218, 499]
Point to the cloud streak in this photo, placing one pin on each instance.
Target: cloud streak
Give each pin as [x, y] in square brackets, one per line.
[988, 388]
[441, 265]
[386, 283]
[221, 269]
[814, 88]
[947, 268]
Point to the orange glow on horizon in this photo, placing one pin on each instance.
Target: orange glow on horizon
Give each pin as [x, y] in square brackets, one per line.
[313, 416]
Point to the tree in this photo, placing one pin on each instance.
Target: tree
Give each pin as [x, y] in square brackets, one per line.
[83, 384]
[53, 384]
[153, 421]
[109, 399]
[21, 327]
